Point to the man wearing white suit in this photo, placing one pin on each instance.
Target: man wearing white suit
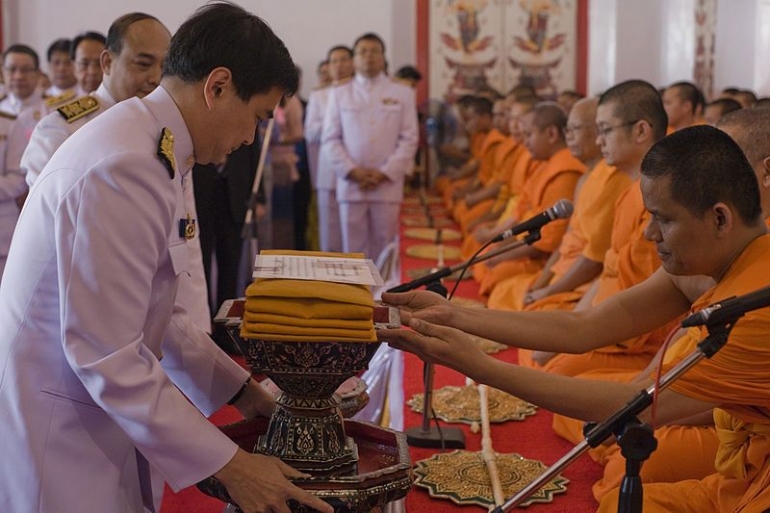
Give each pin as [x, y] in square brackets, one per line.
[371, 133]
[102, 373]
[136, 47]
[324, 179]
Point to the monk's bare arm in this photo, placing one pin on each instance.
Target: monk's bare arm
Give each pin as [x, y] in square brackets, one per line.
[581, 272]
[631, 313]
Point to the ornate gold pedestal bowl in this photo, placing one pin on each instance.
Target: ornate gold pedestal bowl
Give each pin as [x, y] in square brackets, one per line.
[355, 466]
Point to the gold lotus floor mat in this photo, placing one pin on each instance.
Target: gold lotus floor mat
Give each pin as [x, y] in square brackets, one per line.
[423, 221]
[462, 477]
[461, 404]
[430, 252]
[447, 234]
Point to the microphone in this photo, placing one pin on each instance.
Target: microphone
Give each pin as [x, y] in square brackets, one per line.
[562, 209]
[729, 309]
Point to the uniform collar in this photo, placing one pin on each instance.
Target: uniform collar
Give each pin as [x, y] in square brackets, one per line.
[162, 106]
[365, 81]
[104, 96]
[18, 104]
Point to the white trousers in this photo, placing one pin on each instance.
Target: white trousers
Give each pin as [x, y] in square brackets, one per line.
[368, 227]
[329, 230]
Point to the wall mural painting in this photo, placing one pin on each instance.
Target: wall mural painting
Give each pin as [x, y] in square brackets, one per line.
[483, 44]
[705, 35]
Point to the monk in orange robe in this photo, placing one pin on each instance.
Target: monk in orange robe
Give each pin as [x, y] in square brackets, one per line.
[707, 221]
[693, 447]
[544, 129]
[477, 202]
[518, 166]
[579, 259]
[684, 104]
[630, 119]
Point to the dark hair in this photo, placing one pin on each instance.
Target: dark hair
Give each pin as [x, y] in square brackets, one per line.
[480, 105]
[370, 36]
[747, 94]
[117, 32]
[726, 105]
[637, 100]
[86, 36]
[569, 93]
[409, 73]
[550, 114]
[730, 90]
[689, 92]
[223, 34]
[336, 48]
[60, 45]
[752, 127]
[705, 167]
[18, 48]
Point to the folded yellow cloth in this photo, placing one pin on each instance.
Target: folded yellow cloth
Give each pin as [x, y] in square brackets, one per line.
[308, 310]
[329, 333]
[305, 308]
[348, 324]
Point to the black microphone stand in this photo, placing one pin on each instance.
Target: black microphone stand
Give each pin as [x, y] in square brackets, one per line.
[636, 440]
[425, 435]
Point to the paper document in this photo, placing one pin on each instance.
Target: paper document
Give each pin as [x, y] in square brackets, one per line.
[339, 270]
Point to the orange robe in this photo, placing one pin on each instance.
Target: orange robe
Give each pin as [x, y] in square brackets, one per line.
[474, 145]
[523, 166]
[588, 236]
[556, 180]
[736, 379]
[504, 156]
[484, 152]
[630, 260]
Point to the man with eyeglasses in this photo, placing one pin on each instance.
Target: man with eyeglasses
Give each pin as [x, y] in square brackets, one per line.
[371, 132]
[21, 68]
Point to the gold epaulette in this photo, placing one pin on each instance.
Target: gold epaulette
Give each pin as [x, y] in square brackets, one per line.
[52, 101]
[76, 109]
[166, 151]
[7, 115]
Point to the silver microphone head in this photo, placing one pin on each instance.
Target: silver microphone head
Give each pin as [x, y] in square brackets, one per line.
[562, 209]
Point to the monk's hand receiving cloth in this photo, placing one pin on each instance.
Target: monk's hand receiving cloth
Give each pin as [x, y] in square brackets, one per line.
[439, 344]
[420, 304]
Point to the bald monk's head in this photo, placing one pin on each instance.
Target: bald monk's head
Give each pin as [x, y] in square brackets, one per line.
[718, 108]
[543, 130]
[683, 102]
[478, 115]
[703, 198]
[750, 128]
[518, 109]
[500, 115]
[580, 132]
[520, 91]
[629, 120]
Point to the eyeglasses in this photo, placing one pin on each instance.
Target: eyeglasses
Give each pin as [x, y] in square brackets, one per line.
[604, 131]
[24, 70]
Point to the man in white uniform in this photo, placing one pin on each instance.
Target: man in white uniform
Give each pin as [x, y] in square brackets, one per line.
[62, 71]
[87, 309]
[371, 130]
[87, 49]
[324, 179]
[21, 67]
[136, 47]
[11, 183]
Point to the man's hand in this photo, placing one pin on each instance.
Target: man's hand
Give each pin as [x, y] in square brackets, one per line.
[258, 483]
[255, 402]
[421, 304]
[440, 344]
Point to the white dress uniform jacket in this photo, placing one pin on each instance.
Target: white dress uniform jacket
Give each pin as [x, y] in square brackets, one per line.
[35, 103]
[370, 123]
[86, 313]
[11, 184]
[46, 138]
[314, 123]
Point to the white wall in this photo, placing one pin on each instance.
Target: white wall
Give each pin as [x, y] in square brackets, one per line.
[308, 27]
